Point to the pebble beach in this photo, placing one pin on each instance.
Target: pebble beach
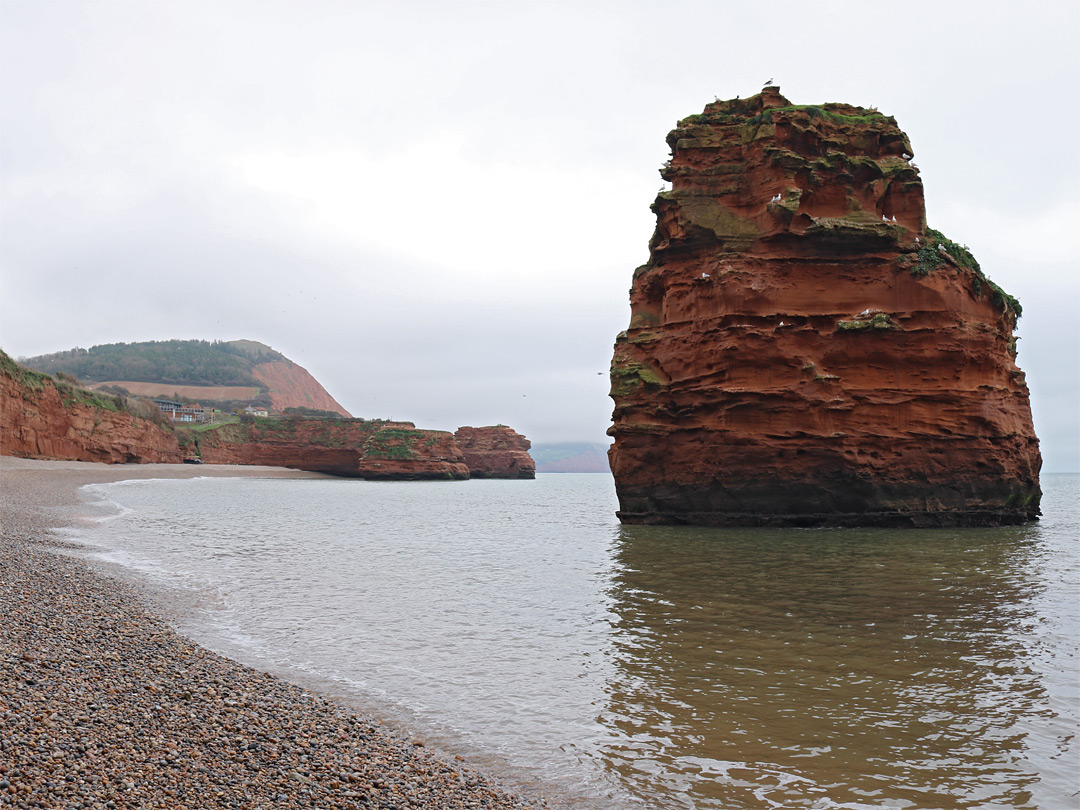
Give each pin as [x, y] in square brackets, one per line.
[104, 705]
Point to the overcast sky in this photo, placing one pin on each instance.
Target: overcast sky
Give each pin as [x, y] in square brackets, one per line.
[437, 207]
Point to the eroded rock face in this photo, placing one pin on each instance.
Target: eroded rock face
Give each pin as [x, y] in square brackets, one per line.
[292, 386]
[802, 349]
[496, 452]
[356, 448]
[38, 419]
[406, 454]
[37, 422]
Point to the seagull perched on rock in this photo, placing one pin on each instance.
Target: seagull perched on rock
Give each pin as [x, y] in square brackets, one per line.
[768, 82]
[775, 199]
[705, 275]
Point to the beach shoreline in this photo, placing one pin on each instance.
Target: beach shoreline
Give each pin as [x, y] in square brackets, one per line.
[104, 704]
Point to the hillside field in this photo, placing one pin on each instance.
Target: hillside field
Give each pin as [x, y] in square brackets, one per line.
[211, 393]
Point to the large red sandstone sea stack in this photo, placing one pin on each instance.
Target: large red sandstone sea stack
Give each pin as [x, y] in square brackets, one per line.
[802, 349]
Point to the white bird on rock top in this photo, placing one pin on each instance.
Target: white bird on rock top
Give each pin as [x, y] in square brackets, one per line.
[705, 275]
[775, 199]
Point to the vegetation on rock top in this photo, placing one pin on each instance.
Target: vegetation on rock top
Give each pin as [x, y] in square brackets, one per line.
[392, 443]
[72, 392]
[26, 377]
[931, 256]
[861, 116]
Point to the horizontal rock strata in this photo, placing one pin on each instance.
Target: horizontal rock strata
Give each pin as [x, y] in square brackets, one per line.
[496, 452]
[357, 448]
[802, 349]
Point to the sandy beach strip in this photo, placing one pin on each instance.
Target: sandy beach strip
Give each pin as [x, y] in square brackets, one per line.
[103, 705]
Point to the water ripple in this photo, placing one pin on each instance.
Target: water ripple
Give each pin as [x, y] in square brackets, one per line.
[517, 623]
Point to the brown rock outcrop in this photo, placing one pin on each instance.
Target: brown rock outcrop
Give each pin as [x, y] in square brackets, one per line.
[407, 454]
[356, 448]
[38, 419]
[496, 451]
[802, 349]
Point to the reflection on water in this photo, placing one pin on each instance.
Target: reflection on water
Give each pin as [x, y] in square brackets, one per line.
[627, 667]
[860, 668]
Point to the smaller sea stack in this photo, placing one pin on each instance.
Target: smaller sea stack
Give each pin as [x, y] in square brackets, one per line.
[803, 350]
[496, 451]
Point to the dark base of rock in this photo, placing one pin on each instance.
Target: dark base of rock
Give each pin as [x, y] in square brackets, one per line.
[809, 505]
[522, 475]
[414, 476]
[897, 520]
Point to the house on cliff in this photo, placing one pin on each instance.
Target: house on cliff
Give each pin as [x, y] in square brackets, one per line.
[179, 412]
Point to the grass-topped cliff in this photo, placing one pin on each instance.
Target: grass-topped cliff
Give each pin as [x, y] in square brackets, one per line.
[43, 417]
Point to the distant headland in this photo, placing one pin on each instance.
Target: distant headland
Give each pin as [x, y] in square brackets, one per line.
[237, 402]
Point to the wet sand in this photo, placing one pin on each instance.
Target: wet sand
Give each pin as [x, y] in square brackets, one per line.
[103, 705]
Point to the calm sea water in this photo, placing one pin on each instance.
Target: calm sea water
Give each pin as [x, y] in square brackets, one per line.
[517, 623]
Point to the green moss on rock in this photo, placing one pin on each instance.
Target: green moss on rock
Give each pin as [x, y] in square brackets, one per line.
[879, 321]
[393, 443]
[931, 257]
[28, 378]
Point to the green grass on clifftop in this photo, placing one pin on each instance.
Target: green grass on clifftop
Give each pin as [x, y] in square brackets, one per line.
[929, 259]
[27, 378]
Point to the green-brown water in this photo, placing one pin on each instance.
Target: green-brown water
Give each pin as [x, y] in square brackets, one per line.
[620, 667]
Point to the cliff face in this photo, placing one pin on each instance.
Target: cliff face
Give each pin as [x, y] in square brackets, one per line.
[43, 419]
[355, 448]
[802, 349]
[405, 454]
[292, 386]
[40, 420]
[496, 452]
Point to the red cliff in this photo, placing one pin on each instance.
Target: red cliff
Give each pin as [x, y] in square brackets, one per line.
[42, 419]
[802, 349]
[406, 454]
[496, 452]
[356, 448]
